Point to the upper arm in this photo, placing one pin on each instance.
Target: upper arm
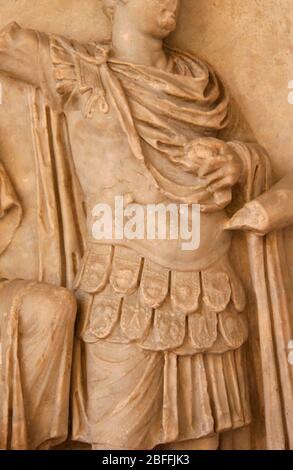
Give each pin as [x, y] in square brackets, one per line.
[19, 53]
[48, 62]
[25, 56]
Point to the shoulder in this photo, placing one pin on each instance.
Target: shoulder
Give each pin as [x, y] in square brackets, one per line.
[76, 69]
[63, 48]
[194, 64]
[13, 36]
[10, 29]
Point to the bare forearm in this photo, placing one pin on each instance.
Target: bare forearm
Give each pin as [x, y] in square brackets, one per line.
[278, 204]
[273, 210]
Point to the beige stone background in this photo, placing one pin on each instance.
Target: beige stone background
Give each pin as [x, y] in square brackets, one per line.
[249, 42]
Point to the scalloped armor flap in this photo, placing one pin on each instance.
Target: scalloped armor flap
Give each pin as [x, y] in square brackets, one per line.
[234, 328]
[169, 327]
[125, 270]
[216, 290]
[135, 318]
[95, 269]
[154, 285]
[104, 315]
[203, 329]
[185, 291]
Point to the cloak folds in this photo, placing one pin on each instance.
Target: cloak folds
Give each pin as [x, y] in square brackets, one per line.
[193, 98]
[24, 389]
[10, 219]
[10, 211]
[274, 322]
[60, 208]
[178, 105]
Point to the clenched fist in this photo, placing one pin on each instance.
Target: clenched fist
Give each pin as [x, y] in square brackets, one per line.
[215, 163]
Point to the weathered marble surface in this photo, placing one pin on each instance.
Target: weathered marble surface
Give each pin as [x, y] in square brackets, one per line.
[219, 35]
[249, 43]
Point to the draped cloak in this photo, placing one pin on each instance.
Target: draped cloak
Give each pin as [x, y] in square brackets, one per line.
[10, 211]
[160, 112]
[163, 111]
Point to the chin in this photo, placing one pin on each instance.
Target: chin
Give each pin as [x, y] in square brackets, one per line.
[168, 29]
[164, 32]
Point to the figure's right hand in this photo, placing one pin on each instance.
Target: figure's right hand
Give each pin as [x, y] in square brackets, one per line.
[215, 162]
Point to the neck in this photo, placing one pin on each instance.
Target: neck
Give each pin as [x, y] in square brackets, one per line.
[131, 45]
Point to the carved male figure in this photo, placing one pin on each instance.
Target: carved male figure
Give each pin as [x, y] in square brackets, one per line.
[160, 351]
